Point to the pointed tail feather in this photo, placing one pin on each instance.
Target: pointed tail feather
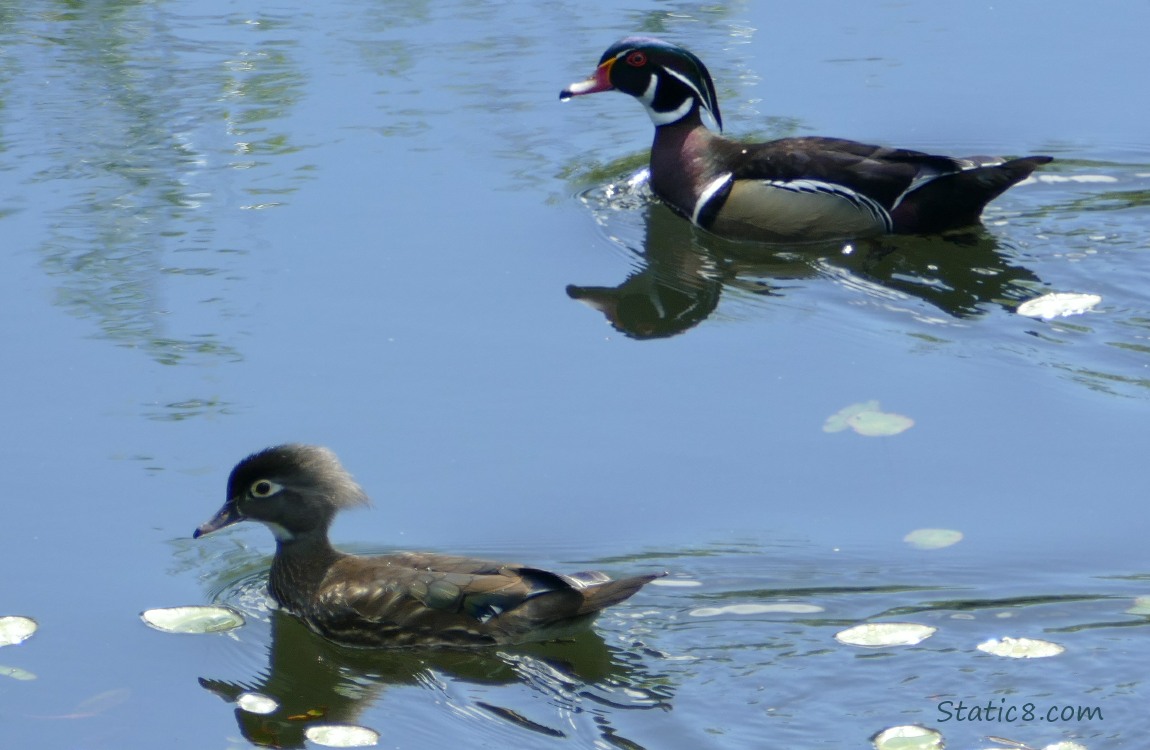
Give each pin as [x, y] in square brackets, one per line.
[957, 199]
[562, 612]
[602, 595]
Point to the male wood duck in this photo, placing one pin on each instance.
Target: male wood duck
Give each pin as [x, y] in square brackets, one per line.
[403, 599]
[791, 189]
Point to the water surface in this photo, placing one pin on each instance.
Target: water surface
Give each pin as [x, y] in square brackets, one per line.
[232, 224]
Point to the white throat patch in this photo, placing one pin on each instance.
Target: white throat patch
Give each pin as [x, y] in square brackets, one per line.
[662, 118]
[279, 532]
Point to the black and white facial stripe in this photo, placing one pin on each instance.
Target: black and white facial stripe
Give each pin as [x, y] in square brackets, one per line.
[666, 104]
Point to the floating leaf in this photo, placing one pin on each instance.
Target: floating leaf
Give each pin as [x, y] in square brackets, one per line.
[341, 735]
[15, 629]
[878, 634]
[1063, 745]
[16, 673]
[1141, 606]
[1058, 305]
[1075, 178]
[193, 619]
[840, 420]
[675, 582]
[869, 420]
[257, 703]
[792, 608]
[756, 609]
[1020, 648]
[879, 424]
[908, 737]
[933, 538]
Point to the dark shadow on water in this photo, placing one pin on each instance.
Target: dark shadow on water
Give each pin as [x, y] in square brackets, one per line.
[683, 272]
[315, 681]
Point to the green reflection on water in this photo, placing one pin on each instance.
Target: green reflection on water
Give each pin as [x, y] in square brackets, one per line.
[149, 142]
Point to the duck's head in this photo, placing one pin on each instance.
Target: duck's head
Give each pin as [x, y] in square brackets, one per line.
[669, 81]
[292, 489]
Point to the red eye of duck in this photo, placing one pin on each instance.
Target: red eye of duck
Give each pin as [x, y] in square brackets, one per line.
[637, 59]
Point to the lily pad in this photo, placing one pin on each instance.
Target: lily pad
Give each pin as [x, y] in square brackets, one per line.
[16, 673]
[193, 619]
[908, 737]
[1058, 305]
[342, 735]
[1141, 606]
[839, 421]
[879, 423]
[257, 703]
[15, 629]
[1020, 648]
[933, 538]
[756, 609]
[1063, 745]
[791, 608]
[868, 419]
[879, 634]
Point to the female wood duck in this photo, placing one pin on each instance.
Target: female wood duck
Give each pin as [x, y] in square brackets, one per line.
[791, 189]
[402, 599]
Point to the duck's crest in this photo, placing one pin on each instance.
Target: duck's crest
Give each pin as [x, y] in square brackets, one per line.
[308, 468]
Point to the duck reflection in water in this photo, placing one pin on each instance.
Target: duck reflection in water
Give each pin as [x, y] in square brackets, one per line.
[315, 681]
[684, 271]
[398, 606]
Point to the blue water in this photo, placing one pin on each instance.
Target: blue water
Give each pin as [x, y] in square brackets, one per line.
[233, 224]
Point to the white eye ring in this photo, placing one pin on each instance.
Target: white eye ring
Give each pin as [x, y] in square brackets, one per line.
[265, 488]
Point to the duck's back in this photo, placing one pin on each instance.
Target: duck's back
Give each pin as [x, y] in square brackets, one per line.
[422, 599]
[815, 188]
